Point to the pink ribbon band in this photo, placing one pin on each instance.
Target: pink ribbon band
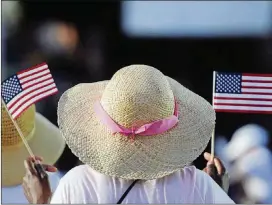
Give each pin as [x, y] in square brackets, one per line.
[153, 128]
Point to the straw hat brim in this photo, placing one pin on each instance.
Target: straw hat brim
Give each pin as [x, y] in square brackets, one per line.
[46, 142]
[148, 157]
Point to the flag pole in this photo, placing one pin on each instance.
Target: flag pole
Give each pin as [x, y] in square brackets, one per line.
[39, 168]
[213, 133]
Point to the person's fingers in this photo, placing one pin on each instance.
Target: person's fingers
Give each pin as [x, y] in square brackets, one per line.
[35, 158]
[27, 195]
[211, 169]
[208, 156]
[24, 179]
[25, 184]
[49, 168]
[219, 166]
[29, 167]
[220, 169]
[32, 159]
[39, 158]
[216, 162]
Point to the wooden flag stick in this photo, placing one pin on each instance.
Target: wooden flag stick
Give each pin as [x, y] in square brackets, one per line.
[212, 146]
[18, 130]
[39, 168]
[213, 133]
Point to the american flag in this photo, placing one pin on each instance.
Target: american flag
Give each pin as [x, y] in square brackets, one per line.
[242, 93]
[27, 87]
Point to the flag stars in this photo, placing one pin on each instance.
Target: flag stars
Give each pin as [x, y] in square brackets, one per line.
[10, 88]
[228, 83]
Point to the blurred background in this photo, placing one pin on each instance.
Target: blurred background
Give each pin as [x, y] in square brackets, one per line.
[186, 40]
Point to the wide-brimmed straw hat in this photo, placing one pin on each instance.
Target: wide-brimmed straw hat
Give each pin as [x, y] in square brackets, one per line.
[43, 137]
[139, 125]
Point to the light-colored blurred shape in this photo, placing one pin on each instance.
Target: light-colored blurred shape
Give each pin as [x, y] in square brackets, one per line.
[196, 18]
[254, 170]
[257, 189]
[245, 138]
[220, 144]
[57, 38]
[252, 162]
[11, 12]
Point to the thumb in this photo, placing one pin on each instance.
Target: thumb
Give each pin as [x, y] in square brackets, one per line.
[50, 168]
[208, 156]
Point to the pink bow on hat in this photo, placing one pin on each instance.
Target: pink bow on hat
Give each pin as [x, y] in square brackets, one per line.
[153, 128]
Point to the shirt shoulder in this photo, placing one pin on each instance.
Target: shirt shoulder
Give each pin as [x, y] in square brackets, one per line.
[75, 186]
[82, 174]
[78, 170]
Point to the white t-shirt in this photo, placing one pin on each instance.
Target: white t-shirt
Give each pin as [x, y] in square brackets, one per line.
[84, 185]
[15, 194]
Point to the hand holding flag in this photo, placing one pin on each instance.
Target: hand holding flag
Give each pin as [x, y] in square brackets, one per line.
[241, 93]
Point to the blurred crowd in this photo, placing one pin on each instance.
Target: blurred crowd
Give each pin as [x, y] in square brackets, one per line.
[249, 162]
[75, 52]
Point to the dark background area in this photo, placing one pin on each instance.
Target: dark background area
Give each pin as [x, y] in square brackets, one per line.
[191, 61]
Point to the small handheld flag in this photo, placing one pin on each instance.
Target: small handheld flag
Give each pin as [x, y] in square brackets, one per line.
[242, 93]
[27, 87]
[21, 91]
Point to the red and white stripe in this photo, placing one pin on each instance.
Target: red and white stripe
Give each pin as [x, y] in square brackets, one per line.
[256, 96]
[37, 83]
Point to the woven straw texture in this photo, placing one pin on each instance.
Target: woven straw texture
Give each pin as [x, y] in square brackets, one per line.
[26, 122]
[43, 138]
[135, 95]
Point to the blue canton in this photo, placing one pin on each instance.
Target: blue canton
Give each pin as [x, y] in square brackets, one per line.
[10, 88]
[228, 83]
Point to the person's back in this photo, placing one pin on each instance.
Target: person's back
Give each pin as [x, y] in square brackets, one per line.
[189, 185]
[141, 125]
